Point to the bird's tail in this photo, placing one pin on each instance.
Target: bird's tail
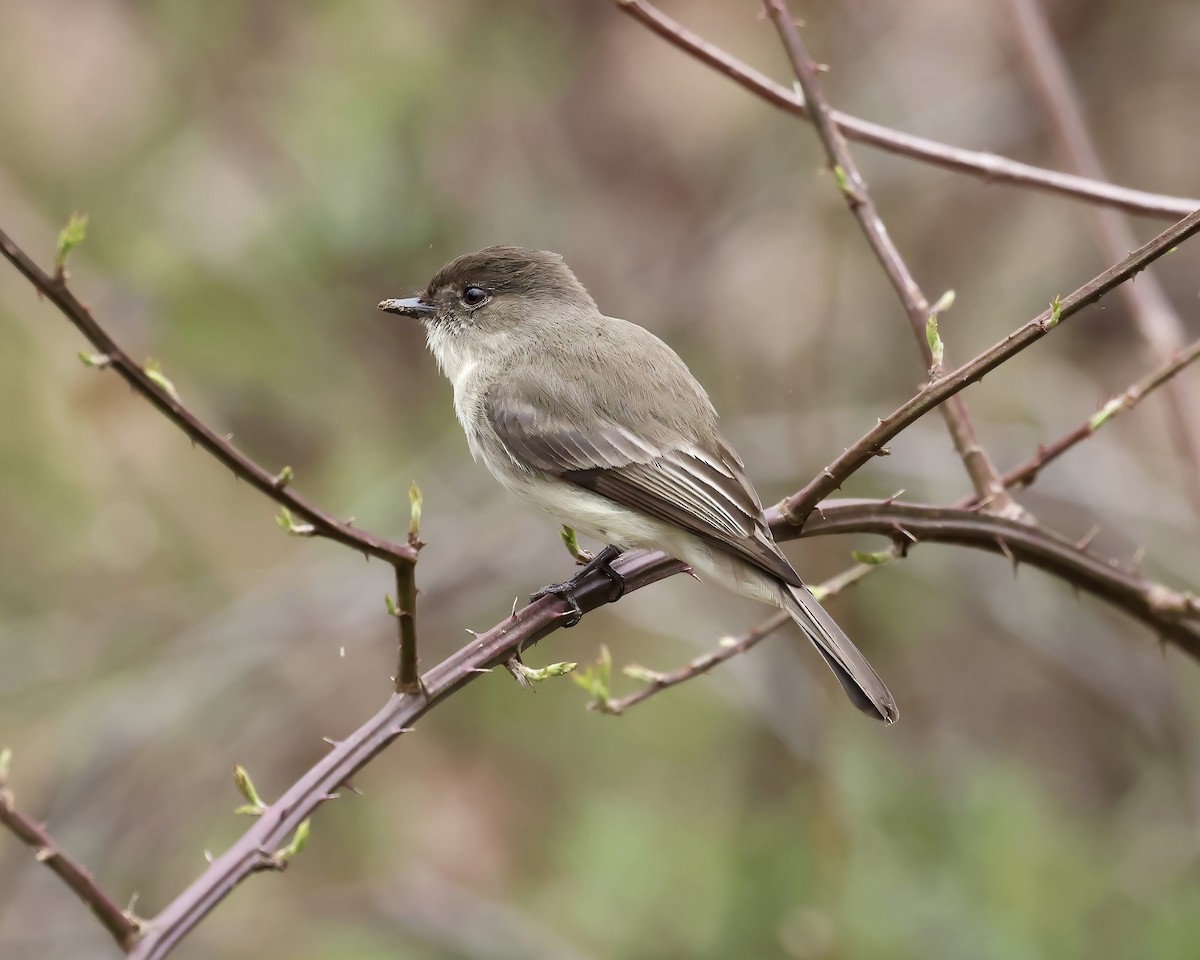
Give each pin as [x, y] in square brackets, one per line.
[861, 683]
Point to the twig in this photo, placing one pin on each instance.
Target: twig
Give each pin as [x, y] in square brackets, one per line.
[1162, 609]
[1156, 320]
[123, 926]
[279, 820]
[984, 476]
[1173, 614]
[1025, 473]
[988, 166]
[731, 647]
[798, 506]
[408, 679]
[274, 486]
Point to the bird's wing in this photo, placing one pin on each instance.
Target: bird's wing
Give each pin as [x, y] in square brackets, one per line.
[699, 487]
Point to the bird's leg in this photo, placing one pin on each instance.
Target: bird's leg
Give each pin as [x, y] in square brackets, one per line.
[602, 563]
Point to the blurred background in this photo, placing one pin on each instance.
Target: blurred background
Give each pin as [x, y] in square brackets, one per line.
[259, 175]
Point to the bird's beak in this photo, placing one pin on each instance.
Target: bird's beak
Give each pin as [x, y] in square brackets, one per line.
[408, 307]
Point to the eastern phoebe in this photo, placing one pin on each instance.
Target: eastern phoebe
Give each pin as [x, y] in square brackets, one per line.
[599, 423]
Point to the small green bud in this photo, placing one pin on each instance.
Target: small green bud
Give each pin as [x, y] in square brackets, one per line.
[283, 478]
[153, 370]
[539, 674]
[571, 541]
[936, 348]
[415, 503]
[596, 678]
[97, 360]
[1055, 314]
[286, 521]
[644, 674]
[71, 236]
[298, 843]
[254, 805]
[1114, 406]
[944, 302]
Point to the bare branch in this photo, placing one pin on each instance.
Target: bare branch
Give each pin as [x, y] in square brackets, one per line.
[987, 166]
[871, 444]
[1157, 321]
[279, 820]
[984, 476]
[733, 646]
[154, 388]
[1025, 473]
[123, 926]
[1173, 614]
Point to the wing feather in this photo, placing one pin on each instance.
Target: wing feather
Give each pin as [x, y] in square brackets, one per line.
[700, 487]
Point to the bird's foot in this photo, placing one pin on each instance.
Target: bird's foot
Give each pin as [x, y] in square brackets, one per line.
[602, 563]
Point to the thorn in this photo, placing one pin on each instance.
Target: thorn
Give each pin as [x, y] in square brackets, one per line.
[347, 785]
[208, 857]
[473, 633]
[342, 652]
[904, 532]
[481, 669]
[331, 741]
[1000, 542]
[894, 497]
[513, 613]
[1135, 565]
[1085, 541]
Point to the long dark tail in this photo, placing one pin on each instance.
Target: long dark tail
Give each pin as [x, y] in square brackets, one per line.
[861, 683]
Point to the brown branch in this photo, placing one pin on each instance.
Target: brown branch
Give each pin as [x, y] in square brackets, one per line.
[984, 476]
[123, 927]
[408, 678]
[275, 486]
[1024, 474]
[252, 851]
[987, 166]
[1156, 320]
[731, 646]
[1173, 614]
[798, 506]
[658, 682]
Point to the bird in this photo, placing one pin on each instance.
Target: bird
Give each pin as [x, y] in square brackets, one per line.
[599, 423]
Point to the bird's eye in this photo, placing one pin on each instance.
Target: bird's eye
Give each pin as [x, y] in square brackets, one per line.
[474, 296]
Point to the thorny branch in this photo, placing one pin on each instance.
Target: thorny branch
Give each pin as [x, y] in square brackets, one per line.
[1156, 320]
[122, 925]
[984, 476]
[1024, 474]
[275, 486]
[987, 166]
[872, 443]
[1175, 615]
[1166, 610]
